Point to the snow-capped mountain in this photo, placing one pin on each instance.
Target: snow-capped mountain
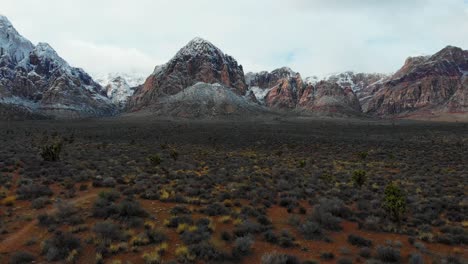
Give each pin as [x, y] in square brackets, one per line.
[38, 80]
[198, 61]
[120, 86]
[349, 79]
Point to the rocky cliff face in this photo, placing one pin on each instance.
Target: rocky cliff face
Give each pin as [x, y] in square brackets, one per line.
[204, 100]
[119, 87]
[430, 84]
[285, 89]
[330, 97]
[39, 80]
[279, 89]
[198, 61]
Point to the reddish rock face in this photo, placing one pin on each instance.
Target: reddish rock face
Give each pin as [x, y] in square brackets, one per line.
[198, 61]
[329, 97]
[287, 90]
[283, 85]
[436, 84]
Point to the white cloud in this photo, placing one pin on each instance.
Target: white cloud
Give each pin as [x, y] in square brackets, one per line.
[310, 36]
[99, 59]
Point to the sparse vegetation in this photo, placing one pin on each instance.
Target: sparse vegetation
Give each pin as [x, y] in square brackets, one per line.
[165, 193]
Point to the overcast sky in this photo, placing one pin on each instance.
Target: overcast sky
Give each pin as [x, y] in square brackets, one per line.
[313, 37]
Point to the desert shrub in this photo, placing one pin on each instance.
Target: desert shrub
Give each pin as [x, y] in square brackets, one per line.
[22, 257]
[183, 255]
[109, 182]
[275, 258]
[415, 258]
[226, 236]
[450, 239]
[130, 208]
[104, 208]
[453, 259]
[156, 236]
[286, 240]
[196, 236]
[288, 202]
[372, 223]
[33, 191]
[242, 246]
[215, 209]
[270, 237]
[327, 255]
[394, 201]
[110, 196]
[52, 151]
[175, 221]
[248, 227]
[388, 254]
[60, 246]
[359, 177]
[155, 159]
[174, 154]
[356, 240]
[294, 220]
[311, 230]
[263, 220]
[326, 219]
[344, 261]
[108, 230]
[206, 252]
[363, 154]
[365, 252]
[40, 202]
[46, 220]
[328, 213]
[152, 258]
[180, 210]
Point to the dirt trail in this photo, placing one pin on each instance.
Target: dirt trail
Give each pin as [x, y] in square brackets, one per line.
[11, 243]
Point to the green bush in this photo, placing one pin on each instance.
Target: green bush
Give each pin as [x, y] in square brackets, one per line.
[51, 152]
[359, 177]
[394, 201]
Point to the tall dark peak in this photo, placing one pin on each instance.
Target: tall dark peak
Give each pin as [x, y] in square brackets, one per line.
[198, 61]
[37, 79]
[12, 43]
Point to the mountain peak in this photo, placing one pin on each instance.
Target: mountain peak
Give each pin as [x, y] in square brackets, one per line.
[450, 53]
[199, 46]
[4, 20]
[12, 43]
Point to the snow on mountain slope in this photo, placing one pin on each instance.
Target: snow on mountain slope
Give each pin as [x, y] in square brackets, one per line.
[38, 79]
[120, 86]
[349, 79]
[198, 61]
[12, 43]
[206, 100]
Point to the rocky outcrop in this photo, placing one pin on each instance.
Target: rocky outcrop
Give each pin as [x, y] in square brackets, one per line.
[206, 100]
[431, 84]
[39, 80]
[356, 81]
[119, 87]
[329, 97]
[285, 89]
[279, 89]
[198, 61]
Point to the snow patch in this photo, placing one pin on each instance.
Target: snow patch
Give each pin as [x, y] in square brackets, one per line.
[260, 93]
